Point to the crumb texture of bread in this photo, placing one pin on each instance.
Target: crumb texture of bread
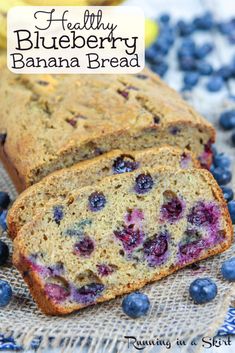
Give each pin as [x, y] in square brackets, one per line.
[119, 234]
[63, 184]
[51, 122]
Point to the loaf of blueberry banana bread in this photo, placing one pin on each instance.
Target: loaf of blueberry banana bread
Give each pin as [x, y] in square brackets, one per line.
[51, 122]
[64, 183]
[119, 234]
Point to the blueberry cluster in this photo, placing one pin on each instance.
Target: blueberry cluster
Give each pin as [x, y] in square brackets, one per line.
[4, 203]
[191, 57]
[5, 288]
[156, 54]
[227, 29]
[221, 171]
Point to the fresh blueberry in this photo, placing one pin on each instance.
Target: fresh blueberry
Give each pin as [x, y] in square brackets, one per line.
[4, 253]
[187, 48]
[136, 305]
[233, 139]
[161, 46]
[226, 27]
[222, 176]
[231, 208]
[204, 68]
[143, 183]
[160, 69]
[150, 54]
[188, 43]
[164, 18]
[203, 50]
[227, 120]
[202, 290]
[215, 83]
[185, 28]
[185, 51]
[187, 63]
[222, 160]
[191, 78]
[97, 201]
[3, 220]
[227, 192]
[204, 22]
[153, 57]
[5, 293]
[58, 214]
[4, 200]
[124, 164]
[228, 269]
[168, 36]
[84, 247]
[225, 71]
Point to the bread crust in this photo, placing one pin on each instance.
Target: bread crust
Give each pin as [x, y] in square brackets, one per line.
[49, 307]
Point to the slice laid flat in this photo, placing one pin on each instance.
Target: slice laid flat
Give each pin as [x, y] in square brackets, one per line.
[64, 183]
[117, 235]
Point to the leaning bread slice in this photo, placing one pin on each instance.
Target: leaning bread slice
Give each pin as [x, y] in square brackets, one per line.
[117, 235]
[62, 184]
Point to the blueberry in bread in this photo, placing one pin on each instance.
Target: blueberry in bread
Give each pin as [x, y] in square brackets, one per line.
[117, 235]
[64, 183]
[51, 122]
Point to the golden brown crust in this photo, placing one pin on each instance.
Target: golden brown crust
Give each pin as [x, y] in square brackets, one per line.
[48, 307]
[40, 123]
[85, 172]
[10, 168]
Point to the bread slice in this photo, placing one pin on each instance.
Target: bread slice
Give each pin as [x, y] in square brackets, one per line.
[64, 183]
[117, 235]
[51, 122]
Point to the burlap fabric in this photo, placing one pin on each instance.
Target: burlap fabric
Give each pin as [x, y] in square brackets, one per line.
[102, 327]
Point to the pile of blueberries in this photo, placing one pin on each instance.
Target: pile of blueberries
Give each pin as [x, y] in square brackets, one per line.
[220, 169]
[191, 57]
[5, 288]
